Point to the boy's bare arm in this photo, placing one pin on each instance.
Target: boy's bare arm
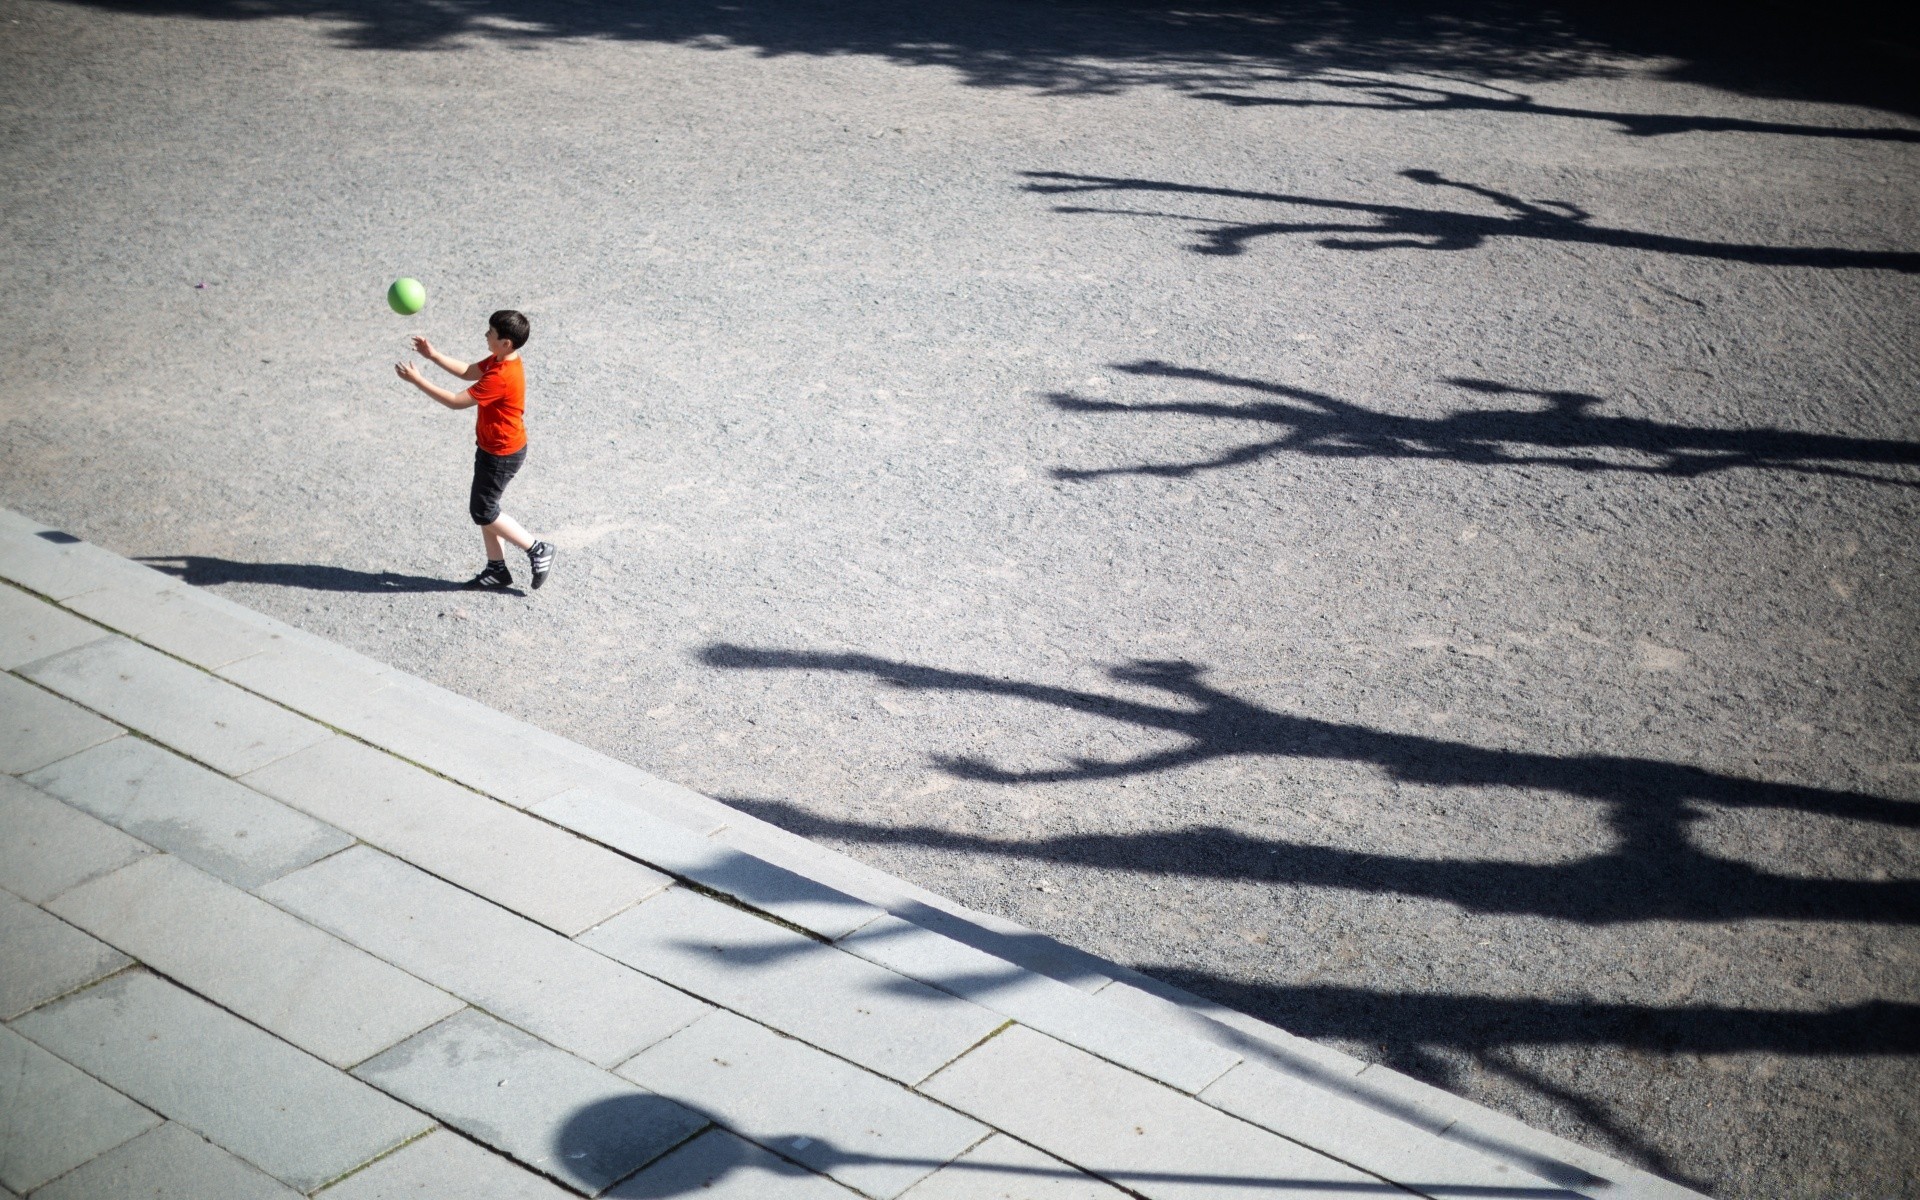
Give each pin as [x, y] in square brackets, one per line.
[411, 373]
[452, 366]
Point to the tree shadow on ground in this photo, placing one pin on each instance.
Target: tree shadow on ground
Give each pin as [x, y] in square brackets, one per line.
[1652, 871]
[201, 571]
[1564, 433]
[1834, 53]
[1367, 226]
[1411, 1030]
[1415, 95]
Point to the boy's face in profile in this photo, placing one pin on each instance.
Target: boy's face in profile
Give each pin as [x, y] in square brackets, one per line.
[498, 346]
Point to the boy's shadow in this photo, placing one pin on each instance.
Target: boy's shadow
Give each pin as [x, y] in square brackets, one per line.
[204, 572]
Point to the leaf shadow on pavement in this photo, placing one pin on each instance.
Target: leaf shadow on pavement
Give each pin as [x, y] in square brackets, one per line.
[1363, 226]
[201, 571]
[1843, 53]
[1564, 432]
[1651, 872]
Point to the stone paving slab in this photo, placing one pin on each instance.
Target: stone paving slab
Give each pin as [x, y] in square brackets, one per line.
[177, 705]
[719, 1166]
[556, 1113]
[172, 617]
[569, 995]
[323, 681]
[417, 721]
[1207, 1021]
[1053, 1008]
[444, 1166]
[288, 1113]
[181, 807]
[31, 629]
[664, 799]
[53, 1117]
[49, 847]
[1344, 1128]
[615, 821]
[885, 1022]
[37, 728]
[557, 878]
[1131, 1131]
[1536, 1151]
[333, 1000]
[58, 565]
[44, 957]
[169, 1163]
[1003, 1169]
[870, 1134]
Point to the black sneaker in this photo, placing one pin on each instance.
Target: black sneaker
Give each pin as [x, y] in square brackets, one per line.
[494, 577]
[540, 558]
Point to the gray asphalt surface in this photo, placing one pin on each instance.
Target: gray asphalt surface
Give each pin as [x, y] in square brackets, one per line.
[1403, 524]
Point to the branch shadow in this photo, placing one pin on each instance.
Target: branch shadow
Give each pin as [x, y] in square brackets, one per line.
[1405, 96]
[1845, 53]
[202, 571]
[1651, 872]
[1564, 433]
[1482, 1023]
[1403, 1027]
[1364, 226]
[718, 1157]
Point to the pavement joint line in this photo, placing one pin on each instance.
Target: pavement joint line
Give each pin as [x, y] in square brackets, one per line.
[508, 1021]
[133, 965]
[914, 1088]
[712, 1124]
[691, 885]
[681, 880]
[384, 1154]
[339, 732]
[995, 1032]
[140, 965]
[1236, 1117]
[215, 674]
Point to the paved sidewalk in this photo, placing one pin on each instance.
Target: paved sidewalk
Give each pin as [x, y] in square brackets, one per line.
[280, 921]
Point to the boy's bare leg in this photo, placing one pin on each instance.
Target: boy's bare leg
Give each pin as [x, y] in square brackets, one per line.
[504, 529]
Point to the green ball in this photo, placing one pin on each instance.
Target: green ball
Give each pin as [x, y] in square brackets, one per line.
[407, 296]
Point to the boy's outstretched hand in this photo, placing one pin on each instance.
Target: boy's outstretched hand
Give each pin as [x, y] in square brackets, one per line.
[410, 371]
[422, 346]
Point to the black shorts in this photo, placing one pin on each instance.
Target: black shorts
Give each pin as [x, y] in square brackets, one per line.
[491, 474]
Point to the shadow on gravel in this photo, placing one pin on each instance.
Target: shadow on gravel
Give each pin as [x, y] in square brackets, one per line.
[1564, 433]
[1845, 51]
[1364, 226]
[209, 572]
[1652, 872]
[1480, 1023]
[1377, 94]
[1409, 1027]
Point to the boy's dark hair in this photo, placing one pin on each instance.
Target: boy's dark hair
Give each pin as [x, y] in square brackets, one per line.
[510, 325]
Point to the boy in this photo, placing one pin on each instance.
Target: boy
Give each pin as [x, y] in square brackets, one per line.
[499, 391]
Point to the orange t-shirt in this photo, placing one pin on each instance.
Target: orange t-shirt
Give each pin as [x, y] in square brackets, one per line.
[500, 396]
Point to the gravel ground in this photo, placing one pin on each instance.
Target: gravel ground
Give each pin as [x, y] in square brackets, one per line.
[1402, 522]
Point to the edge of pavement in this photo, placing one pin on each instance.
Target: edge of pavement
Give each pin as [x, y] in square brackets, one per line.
[1373, 1117]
